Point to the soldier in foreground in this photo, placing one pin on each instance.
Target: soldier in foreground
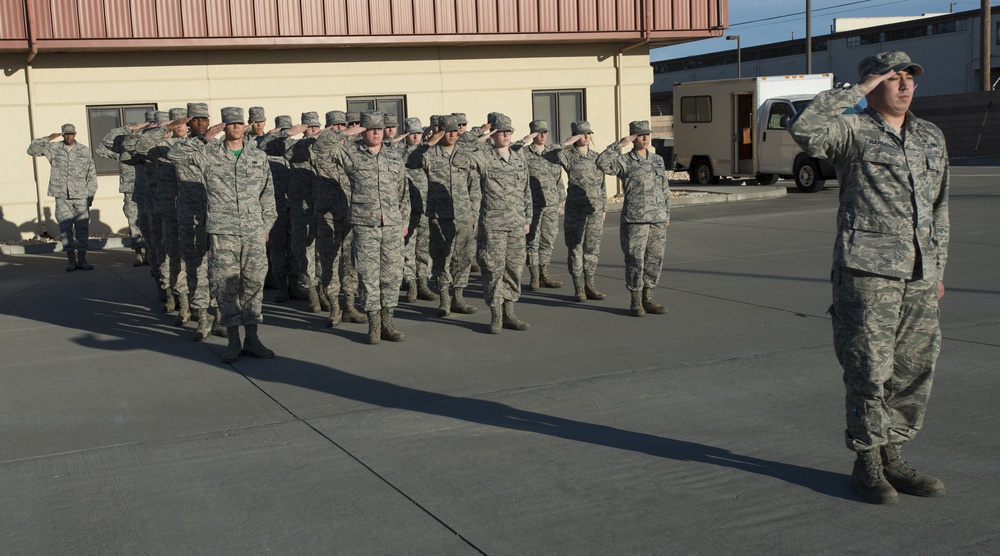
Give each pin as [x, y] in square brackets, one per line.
[240, 212]
[73, 183]
[645, 214]
[888, 264]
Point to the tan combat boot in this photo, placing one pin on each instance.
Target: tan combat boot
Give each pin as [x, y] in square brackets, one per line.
[904, 478]
[389, 332]
[651, 306]
[510, 320]
[868, 481]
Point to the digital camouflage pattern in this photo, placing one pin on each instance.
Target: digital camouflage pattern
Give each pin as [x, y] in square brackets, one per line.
[644, 184]
[416, 244]
[333, 232]
[155, 146]
[192, 235]
[504, 212]
[547, 192]
[586, 198]
[890, 252]
[893, 194]
[379, 210]
[73, 183]
[112, 147]
[239, 211]
[302, 208]
[645, 213]
[73, 174]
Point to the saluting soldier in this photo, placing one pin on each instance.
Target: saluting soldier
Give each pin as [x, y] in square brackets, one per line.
[73, 183]
[645, 214]
[888, 264]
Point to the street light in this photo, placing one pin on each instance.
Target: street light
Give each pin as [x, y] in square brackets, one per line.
[739, 54]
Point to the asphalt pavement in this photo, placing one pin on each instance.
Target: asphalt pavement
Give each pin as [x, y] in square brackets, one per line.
[715, 429]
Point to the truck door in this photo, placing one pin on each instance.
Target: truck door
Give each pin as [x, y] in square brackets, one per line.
[742, 134]
[776, 150]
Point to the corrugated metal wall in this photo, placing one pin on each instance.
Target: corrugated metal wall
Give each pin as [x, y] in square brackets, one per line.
[98, 20]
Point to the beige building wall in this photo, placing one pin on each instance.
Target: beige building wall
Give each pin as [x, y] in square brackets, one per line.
[474, 80]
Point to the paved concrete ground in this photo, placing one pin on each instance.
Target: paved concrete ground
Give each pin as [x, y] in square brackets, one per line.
[716, 429]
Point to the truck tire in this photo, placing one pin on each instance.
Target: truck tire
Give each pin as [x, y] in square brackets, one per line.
[808, 177]
[767, 179]
[701, 173]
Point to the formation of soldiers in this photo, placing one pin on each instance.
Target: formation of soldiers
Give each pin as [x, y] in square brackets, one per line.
[366, 206]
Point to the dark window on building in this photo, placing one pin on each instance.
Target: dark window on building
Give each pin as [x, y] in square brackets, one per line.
[952, 26]
[906, 33]
[865, 39]
[560, 109]
[696, 110]
[389, 104]
[998, 32]
[102, 119]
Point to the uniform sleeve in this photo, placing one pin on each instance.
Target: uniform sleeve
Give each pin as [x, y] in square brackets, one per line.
[820, 128]
[111, 146]
[942, 226]
[404, 196]
[189, 152]
[91, 177]
[40, 147]
[273, 144]
[151, 140]
[608, 162]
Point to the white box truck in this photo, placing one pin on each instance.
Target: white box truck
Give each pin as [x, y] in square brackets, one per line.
[738, 128]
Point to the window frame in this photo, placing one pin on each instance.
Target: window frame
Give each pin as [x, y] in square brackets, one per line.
[697, 117]
[106, 167]
[558, 122]
[372, 102]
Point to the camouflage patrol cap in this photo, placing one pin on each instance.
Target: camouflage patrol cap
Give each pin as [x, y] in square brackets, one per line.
[353, 117]
[413, 126]
[310, 119]
[283, 121]
[198, 110]
[538, 126]
[435, 120]
[177, 113]
[580, 127]
[256, 115]
[460, 118]
[448, 123]
[150, 115]
[233, 115]
[68, 128]
[161, 117]
[373, 119]
[491, 117]
[391, 120]
[502, 123]
[336, 117]
[639, 127]
[885, 61]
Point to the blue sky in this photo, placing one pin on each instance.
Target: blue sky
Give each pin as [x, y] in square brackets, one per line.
[766, 21]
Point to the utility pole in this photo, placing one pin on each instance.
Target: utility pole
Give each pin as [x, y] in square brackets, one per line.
[809, 36]
[984, 57]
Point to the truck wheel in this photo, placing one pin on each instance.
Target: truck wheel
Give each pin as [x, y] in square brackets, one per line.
[701, 174]
[767, 179]
[808, 177]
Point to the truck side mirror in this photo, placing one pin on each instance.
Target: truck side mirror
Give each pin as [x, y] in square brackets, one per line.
[783, 122]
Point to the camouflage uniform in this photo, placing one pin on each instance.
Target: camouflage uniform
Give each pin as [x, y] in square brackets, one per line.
[302, 207]
[333, 229]
[378, 200]
[452, 202]
[417, 257]
[547, 193]
[240, 210]
[645, 213]
[890, 252]
[504, 212]
[586, 198]
[155, 146]
[279, 239]
[112, 147]
[73, 184]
